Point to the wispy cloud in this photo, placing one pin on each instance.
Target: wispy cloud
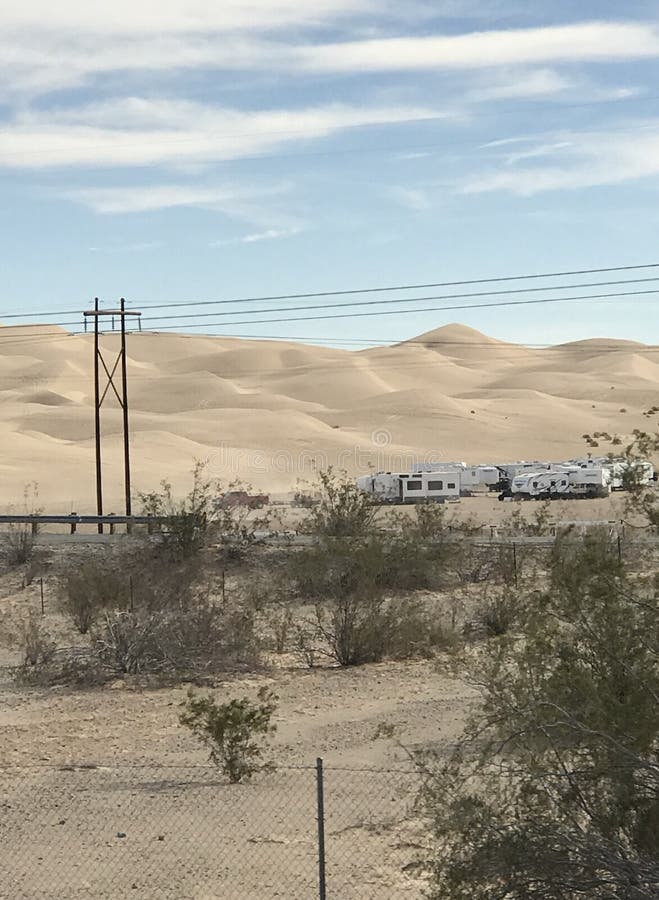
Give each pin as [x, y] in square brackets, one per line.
[272, 234]
[67, 44]
[137, 247]
[414, 199]
[136, 132]
[243, 202]
[521, 84]
[582, 160]
[589, 41]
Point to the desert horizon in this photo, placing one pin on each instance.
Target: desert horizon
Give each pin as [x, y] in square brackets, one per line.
[273, 412]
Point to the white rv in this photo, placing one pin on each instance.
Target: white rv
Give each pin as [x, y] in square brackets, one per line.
[623, 471]
[562, 481]
[415, 487]
[473, 479]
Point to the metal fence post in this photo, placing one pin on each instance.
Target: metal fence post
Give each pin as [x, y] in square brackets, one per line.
[322, 883]
[515, 563]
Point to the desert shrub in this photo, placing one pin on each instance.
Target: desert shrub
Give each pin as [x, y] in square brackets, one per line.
[21, 538]
[127, 643]
[71, 667]
[234, 731]
[552, 791]
[188, 524]
[35, 642]
[303, 500]
[377, 562]
[282, 622]
[186, 521]
[20, 544]
[197, 639]
[87, 589]
[342, 509]
[494, 617]
[357, 630]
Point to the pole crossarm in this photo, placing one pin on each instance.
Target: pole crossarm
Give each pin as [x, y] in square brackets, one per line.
[120, 390]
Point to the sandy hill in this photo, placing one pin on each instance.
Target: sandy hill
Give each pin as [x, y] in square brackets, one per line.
[271, 412]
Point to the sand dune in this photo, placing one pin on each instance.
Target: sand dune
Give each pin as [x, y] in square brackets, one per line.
[271, 412]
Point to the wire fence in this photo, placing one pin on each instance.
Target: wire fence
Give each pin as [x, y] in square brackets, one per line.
[177, 832]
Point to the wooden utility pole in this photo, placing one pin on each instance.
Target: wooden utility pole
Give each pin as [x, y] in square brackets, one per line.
[122, 396]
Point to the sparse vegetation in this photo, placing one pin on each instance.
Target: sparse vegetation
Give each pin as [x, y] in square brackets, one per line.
[552, 791]
[21, 538]
[234, 731]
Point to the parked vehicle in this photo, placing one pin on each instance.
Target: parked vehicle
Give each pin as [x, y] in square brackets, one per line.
[624, 473]
[473, 479]
[561, 482]
[242, 498]
[415, 487]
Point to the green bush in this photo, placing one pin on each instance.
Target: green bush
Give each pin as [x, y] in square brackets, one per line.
[234, 731]
[552, 791]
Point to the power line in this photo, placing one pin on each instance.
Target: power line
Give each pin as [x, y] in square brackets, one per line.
[367, 290]
[463, 306]
[394, 301]
[397, 300]
[402, 287]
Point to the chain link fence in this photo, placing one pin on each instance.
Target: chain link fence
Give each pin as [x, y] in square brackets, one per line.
[176, 832]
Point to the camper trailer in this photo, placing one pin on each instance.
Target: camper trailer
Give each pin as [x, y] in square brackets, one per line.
[624, 473]
[567, 482]
[412, 487]
[473, 479]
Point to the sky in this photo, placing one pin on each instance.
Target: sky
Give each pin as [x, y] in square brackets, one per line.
[195, 150]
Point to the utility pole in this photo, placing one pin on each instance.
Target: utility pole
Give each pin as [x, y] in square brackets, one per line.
[122, 396]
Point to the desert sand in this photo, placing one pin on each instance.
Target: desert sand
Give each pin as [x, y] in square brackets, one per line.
[271, 412]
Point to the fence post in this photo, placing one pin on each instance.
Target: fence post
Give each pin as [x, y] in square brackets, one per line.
[320, 784]
[619, 550]
[515, 563]
[43, 609]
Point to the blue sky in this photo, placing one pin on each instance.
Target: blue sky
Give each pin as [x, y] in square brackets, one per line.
[212, 149]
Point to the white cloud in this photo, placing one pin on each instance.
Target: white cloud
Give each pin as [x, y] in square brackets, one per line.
[272, 234]
[138, 247]
[588, 41]
[136, 132]
[171, 16]
[122, 200]
[587, 159]
[414, 199]
[538, 151]
[523, 83]
[68, 46]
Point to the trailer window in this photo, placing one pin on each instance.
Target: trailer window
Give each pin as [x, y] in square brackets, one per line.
[451, 485]
[414, 486]
[435, 485]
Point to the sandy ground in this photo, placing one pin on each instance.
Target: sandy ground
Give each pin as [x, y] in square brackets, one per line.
[104, 794]
[270, 412]
[189, 834]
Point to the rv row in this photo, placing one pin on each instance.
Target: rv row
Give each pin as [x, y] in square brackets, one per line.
[577, 478]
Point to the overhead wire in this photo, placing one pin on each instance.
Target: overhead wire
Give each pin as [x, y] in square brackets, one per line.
[499, 279]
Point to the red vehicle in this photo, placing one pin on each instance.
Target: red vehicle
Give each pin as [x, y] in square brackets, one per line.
[242, 498]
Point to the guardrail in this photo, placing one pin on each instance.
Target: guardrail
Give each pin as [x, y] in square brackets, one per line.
[73, 520]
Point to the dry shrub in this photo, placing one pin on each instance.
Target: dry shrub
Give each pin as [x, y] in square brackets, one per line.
[363, 630]
[197, 639]
[36, 644]
[20, 544]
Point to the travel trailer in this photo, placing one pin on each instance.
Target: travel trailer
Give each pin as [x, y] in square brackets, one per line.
[412, 487]
[473, 479]
[624, 473]
[567, 482]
